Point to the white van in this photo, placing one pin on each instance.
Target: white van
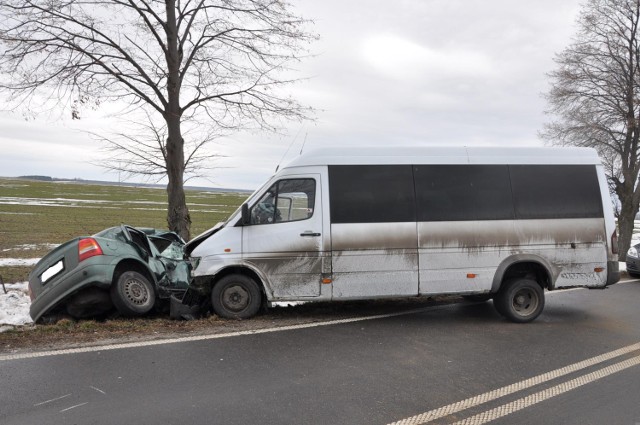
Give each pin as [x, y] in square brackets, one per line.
[344, 224]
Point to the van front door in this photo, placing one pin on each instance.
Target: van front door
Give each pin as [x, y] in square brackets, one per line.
[284, 238]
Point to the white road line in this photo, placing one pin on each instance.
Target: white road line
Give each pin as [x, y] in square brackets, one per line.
[541, 396]
[207, 337]
[73, 407]
[53, 399]
[510, 389]
[97, 389]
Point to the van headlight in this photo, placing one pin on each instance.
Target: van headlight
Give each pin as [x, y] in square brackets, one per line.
[633, 252]
[195, 261]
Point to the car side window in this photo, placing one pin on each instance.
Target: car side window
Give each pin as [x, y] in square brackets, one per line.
[286, 200]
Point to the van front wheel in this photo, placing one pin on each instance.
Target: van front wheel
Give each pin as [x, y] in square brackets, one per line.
[520, 300]
[236, 297]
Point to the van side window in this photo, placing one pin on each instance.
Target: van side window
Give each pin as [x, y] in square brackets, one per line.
[371, 194]
[286, 200]
[463, 192]
[556, 191]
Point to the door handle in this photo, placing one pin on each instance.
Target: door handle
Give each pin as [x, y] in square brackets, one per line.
[309, 233]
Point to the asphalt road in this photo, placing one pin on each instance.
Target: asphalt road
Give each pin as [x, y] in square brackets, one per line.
[452, 363]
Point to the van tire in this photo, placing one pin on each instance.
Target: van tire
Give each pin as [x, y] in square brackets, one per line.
[236, 297]
[520, 300]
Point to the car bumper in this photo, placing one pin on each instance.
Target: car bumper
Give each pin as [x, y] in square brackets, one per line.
[633, 265]
[96, 271]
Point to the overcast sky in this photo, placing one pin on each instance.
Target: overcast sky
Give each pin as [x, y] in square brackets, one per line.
[406, 72]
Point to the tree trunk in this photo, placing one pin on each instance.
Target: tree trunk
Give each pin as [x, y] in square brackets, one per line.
[626, 221]
[177, 214]
[178, 217]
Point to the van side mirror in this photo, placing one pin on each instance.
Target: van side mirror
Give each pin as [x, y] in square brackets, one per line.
[246, 218]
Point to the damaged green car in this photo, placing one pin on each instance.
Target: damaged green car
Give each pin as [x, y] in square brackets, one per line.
[135, 270]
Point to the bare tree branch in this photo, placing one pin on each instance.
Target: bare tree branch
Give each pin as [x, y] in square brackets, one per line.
[220, 62]
[595, 98]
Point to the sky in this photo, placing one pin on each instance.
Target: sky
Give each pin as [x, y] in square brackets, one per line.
[384, 73]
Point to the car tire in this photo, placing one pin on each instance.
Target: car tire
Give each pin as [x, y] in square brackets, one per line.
[133, 294]
[236, 297]
[520, 300]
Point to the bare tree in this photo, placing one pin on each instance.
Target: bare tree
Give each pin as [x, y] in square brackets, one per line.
[223, 60]
[595, 96]
[140, 149]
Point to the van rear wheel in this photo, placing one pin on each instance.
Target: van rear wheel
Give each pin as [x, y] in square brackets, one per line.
[236, 297]
[520, 300]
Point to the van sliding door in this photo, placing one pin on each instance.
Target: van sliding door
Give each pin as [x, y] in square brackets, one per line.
[465, 225]
[373, 231]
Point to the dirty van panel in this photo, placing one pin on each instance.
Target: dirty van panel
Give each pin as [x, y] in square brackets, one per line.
[285, 237]
[374, 259]
[363, 236]
[291, 276]
[450, 251]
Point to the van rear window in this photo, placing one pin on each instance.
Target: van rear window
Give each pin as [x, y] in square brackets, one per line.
[555, 191]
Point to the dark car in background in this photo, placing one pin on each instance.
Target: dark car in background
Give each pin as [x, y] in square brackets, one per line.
[633, 260]
[132, 269]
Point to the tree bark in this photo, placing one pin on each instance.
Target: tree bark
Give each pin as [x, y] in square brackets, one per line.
[178, 217]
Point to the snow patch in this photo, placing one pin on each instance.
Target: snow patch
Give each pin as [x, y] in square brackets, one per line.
[14, 306]
[31, 247]
[12, 262]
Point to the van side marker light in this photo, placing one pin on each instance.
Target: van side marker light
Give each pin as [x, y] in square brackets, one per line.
[598, 269]
[326, 281]
[227, 250]
[471, 275]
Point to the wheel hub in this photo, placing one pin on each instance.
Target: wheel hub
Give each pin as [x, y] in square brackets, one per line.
[235, 298]
[525, 302]
[136, 292]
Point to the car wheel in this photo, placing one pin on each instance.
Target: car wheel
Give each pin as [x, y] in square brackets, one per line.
[478, 297]
[133, 294]
[520, 300]
[236, 297]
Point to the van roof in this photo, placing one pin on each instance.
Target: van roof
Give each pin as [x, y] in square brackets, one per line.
[445, 155]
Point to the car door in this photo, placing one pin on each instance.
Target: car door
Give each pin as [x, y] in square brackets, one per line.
[283, 240]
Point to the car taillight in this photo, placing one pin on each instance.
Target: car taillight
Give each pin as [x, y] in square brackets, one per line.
[88, 248]
[614, 242]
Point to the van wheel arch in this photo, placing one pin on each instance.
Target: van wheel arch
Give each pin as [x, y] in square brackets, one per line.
[524, 268]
